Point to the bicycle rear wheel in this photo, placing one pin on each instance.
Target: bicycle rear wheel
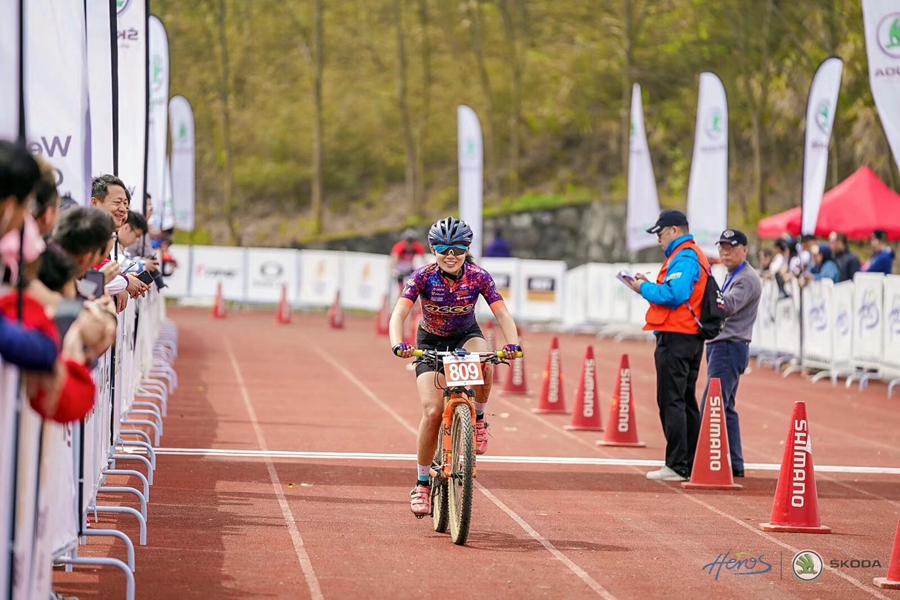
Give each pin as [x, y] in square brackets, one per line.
[440, 510]
[462, 479]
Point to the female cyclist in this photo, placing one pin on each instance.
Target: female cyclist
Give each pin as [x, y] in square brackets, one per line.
[449, 290]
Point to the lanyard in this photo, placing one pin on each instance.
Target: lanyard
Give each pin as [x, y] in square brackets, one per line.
[733, 275]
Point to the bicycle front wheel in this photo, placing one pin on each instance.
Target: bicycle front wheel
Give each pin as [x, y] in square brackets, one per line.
[462, 480]
[439, 501]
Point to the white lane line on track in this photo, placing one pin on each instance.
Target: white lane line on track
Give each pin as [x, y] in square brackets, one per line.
[587, 579]
[517, 460]
[305, 563]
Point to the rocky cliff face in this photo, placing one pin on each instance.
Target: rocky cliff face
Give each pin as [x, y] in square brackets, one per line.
[593, 232]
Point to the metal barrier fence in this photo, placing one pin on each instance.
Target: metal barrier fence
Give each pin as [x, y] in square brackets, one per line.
[53, 476]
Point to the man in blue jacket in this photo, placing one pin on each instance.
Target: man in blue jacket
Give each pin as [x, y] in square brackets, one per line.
[883, 257]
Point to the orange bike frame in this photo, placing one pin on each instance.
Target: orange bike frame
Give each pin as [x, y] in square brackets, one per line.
[453, 398]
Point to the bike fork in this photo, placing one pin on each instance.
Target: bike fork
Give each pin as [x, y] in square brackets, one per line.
[451, 401]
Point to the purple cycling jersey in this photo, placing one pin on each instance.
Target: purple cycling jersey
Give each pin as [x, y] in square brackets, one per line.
[448, 307]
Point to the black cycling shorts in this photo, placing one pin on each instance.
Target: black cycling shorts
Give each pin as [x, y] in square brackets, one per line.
[429, 341]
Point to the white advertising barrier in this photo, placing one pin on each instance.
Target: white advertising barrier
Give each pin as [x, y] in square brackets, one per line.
[320, 277]
[764, 337]
[868, 298]
[575, 311]
[787, 328]
[267, 271]
[842, 342]
[622, 297]
[505, 273]
[720, 272]
[211, 265]
[178, 283]
[599, 281]
[364, 280]
[541, 284]
[27, 570]
[818, 323]
[891, 335]
[639, 306]
[9, 380]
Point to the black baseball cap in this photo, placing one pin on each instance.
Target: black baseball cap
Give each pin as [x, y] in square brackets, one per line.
[733, 237]
[669, 218]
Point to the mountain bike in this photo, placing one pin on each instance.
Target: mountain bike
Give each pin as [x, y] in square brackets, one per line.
[453, 469]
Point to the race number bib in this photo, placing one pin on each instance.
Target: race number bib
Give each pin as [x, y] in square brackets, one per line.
[463, 370]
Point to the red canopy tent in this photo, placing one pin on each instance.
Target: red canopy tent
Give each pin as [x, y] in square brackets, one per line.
[856, 207]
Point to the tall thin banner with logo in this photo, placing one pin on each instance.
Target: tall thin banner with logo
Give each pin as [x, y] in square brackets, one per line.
[707, 204]
[471, 174]
[56, 92]
[132, 56]
[268, 269]
[643, 198]
[882, 24]
[820, 110]
[166, 217]
[157, 118]
[100, 85]
[10, 78]
[181, 119]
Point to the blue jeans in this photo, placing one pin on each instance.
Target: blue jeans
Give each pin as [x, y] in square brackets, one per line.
[727, 361]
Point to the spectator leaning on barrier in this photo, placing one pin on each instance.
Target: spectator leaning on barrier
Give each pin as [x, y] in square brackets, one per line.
[824, 266]
[86, 235]
[847, 261]
[883, 255]
[728, 354]
[679, 290]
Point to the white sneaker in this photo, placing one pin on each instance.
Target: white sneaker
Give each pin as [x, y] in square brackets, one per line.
[665, 474]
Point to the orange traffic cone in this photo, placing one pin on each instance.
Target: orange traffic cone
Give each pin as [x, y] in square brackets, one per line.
[382, 323]
[587, 406]
[622, 430]
[219, 305]
[892, 581]
[336, 313]
[796, 507]
[283, 315]
[552, 398]
[515, 381]
[712, 462]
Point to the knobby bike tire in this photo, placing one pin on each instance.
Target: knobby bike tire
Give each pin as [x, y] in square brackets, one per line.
[440, 510]
[463, 480]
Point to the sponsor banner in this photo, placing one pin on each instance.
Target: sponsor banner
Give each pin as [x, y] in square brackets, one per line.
[157, 116]
[818, 322]
[639, 306]
[211, 265]
[27, 543]
[575, 312]
[181, 121]
[643, 198]
[10, 81]
[505, 272]
[364, 280]
[178, 282]
[56, 123]
[842, 303]
[320, 277]
[166, 208]
[820, 111]
[541, 282]
[9, 383]
[787, 328]
[621, 297]
[882, 24]
[707, 204]
[601, 279]
[59, 484]
[99, 60]
[764, 332]
[868, 300]
[471, 174]
[132, 90]
[891, 334]
[267, 271]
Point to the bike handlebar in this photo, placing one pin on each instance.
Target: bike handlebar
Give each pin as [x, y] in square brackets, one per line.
[498, 353]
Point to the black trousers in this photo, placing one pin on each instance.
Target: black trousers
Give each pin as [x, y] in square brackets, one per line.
[678, 357]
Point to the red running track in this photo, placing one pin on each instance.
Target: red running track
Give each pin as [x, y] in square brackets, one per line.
[256, 527]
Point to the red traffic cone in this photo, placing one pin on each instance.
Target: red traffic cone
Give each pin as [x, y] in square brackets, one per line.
[892, 581]
[587, 406]
[712, 462]
[382, 323]
[622, 430]
[552, 399]
[283, 315]
[515, 382]
[336, 313]
[796, 507]
[219, 305]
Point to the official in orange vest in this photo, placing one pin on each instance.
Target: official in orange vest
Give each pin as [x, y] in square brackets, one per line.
[679, 288]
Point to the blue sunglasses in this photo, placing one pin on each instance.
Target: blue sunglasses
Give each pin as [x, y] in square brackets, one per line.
[451, 250]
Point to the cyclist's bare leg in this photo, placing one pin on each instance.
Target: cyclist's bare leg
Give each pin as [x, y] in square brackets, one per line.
[482, 392]
[432, 411]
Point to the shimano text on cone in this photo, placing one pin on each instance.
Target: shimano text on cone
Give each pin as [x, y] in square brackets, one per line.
[712, 461]
[551, 399]
[586, 416]
[622, 425]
